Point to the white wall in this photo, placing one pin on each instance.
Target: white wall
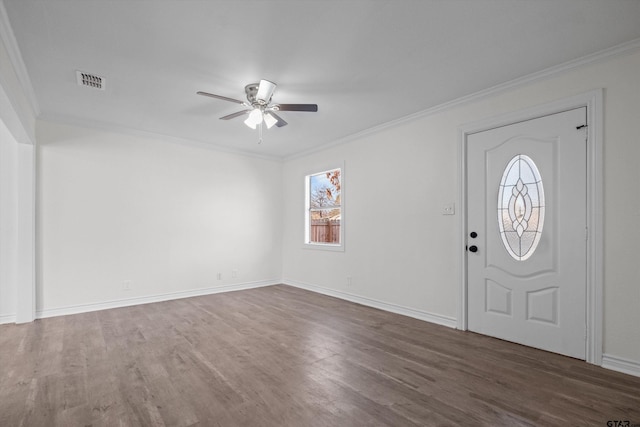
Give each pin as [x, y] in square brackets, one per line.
[8, 224]
[165, 216]
[402, 251]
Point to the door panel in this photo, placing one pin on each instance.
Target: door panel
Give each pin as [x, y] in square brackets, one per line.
[534, 297]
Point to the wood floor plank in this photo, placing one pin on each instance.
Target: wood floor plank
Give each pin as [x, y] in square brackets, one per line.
[281, 356]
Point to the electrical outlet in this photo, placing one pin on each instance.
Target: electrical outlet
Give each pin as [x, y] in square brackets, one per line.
[349, 281]
[219, 276]
[126, 285]
[234, 273]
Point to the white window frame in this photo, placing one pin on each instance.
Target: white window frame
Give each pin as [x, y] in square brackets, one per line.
[339, 247]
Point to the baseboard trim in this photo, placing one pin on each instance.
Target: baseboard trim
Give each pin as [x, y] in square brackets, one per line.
[626, 366]
[614, 363]
[7, 318]
[85, 308]
[370, 302]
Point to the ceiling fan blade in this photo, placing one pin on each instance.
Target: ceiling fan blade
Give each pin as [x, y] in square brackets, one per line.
[298, 107]
[280, 122]
[224, 98]
[234, 115]
[265, 91]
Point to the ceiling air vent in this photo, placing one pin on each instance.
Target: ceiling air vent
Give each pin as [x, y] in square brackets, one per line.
[90, 80]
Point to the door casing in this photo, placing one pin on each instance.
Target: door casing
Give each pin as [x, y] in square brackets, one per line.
[593, 100]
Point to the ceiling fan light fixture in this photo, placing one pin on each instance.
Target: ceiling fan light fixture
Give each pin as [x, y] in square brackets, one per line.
[269, 120]
[254, 119]
[259, 109]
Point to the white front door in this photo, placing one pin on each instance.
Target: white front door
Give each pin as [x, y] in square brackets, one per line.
[526, 224]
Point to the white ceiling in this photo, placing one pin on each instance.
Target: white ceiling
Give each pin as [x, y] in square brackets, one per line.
[364, 62]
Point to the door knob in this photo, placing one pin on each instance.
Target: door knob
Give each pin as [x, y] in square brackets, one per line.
[473, 248]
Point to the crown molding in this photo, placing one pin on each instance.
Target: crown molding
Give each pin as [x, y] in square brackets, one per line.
[605, 54]
[123, 130]
[10, 42]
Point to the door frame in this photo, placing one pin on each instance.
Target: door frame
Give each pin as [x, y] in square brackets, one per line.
[593, 100]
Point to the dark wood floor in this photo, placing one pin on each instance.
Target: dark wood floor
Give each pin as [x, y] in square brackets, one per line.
[281, 356]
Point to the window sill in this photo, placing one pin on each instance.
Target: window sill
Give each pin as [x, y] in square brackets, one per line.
[323, 247]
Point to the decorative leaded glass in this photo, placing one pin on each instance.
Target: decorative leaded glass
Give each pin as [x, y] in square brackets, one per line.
[521, 207]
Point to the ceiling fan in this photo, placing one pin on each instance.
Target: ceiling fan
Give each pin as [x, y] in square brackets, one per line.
[260, 110]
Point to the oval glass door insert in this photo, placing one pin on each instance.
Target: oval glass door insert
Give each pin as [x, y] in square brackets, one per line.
[521, 207]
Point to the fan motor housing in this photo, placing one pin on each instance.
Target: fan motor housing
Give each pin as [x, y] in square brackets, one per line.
[260, 93]
[251, 90]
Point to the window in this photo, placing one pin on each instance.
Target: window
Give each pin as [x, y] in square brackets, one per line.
[323, 216]
[521, 207]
